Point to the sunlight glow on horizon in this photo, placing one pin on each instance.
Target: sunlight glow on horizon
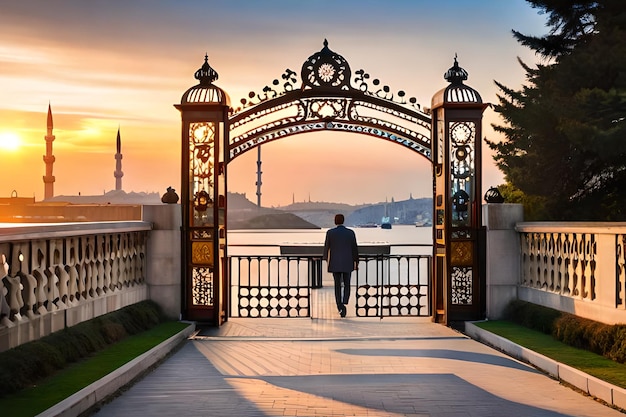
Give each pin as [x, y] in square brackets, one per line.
[9, 141]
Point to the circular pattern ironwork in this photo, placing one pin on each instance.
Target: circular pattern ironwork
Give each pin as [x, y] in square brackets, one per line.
[326, 69]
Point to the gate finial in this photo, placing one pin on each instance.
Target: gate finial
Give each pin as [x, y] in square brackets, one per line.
[206, 75]
[326, 69]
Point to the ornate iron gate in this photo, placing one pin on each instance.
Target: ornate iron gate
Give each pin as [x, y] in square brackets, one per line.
[331, 97]
[394, 285]
[270, 286]
[281, 286]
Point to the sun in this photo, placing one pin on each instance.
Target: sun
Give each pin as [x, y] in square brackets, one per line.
[9, 141]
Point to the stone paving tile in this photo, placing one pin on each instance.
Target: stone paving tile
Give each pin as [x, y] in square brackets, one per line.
[375, 377]
[345, 367]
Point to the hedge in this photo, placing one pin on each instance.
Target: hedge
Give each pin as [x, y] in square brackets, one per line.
[603, 339]
[24, 365]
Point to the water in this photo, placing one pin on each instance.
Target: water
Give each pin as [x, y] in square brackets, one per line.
[404, 239]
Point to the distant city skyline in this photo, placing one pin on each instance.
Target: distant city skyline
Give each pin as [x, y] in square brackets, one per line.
[103, 68]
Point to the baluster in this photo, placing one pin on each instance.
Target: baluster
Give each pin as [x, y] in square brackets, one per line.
[621, 269]
[41, 296]
[531, 260]
[92, 268]
[83, 282]
[29, 283]
[567, 263]
[9, 305]
[53, 292]
[560, 268]
[541, 261]
[69, 286]
[525, 258]
[92, 279]
[115, 273]
[64, 283]
[105, 256]
[551, 263]
[575, 264]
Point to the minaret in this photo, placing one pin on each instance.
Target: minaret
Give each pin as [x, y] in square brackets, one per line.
[48, 158]
[118, 164]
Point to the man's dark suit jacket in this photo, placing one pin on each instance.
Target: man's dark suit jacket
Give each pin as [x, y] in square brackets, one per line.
[340, 249]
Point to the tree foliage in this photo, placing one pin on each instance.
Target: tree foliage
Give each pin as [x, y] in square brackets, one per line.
[565, 129]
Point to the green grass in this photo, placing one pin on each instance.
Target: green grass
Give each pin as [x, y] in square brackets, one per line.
[32, 401]
[590, 363]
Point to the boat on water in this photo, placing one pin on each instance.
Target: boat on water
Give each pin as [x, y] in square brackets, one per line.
[385, 223]
[366, 225]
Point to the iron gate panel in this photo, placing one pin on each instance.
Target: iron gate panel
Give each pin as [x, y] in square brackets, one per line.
[270, 286]
[280, 286]
[393, 285]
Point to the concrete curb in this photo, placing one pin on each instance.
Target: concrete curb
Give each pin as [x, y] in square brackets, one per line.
[593, 386]
[87, 397]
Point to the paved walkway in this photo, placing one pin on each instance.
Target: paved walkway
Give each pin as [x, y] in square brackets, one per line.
[330, 366]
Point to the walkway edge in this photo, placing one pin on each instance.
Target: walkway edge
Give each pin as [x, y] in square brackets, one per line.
[98, 391]
[591, 385]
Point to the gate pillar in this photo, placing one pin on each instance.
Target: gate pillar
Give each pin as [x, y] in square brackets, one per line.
[458, 241]
[204, 110]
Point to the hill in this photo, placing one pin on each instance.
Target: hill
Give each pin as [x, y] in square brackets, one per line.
[244, 214]
[401, 212]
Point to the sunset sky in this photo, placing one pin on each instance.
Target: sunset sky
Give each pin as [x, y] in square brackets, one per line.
[104, 65]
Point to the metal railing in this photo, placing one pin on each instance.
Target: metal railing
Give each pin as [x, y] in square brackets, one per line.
[280, 285]
[394, 285]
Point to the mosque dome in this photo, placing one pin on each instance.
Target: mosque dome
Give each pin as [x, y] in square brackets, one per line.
[456, 92]
[205, 92]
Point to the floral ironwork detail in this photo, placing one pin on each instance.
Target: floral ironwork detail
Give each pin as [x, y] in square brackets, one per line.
[202, 286]
[326, 69]
[329, 70]
[461, 293]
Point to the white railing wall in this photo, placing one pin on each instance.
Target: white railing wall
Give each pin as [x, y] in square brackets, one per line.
[54, 276]
[575, 267]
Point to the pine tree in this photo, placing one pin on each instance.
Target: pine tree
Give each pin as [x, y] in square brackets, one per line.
[565, 146]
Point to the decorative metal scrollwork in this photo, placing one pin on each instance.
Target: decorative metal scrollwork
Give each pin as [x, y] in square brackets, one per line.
[461, 293]
[202, 286]
[327, 108]
[328, 70]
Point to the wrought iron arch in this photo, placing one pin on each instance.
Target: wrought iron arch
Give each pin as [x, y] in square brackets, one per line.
[331, 97]
[327, 100]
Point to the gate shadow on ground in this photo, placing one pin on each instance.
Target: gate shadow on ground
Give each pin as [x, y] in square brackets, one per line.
[188, 384]
[399, 394]
[443, 354]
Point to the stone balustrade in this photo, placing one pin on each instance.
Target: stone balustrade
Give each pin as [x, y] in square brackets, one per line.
[578, 268]
[54, 276]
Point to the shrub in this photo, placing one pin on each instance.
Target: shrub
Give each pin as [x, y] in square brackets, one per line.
[569, 329]
[602, 339]
[24, 365]
[112, 332]
[532, 316]
[617, 351]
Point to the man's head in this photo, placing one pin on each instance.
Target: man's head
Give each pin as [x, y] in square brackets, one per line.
[339, 219]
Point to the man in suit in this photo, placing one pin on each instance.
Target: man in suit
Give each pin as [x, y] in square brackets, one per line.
[342, 255]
